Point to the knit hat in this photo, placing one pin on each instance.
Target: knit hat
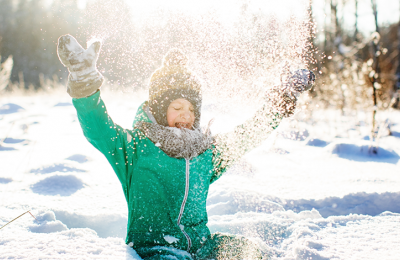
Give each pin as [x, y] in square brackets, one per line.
[170, 82]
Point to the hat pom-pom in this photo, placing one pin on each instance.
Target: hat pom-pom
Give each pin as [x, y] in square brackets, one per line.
[175, 57]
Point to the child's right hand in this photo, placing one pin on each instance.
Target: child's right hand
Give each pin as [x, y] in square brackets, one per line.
[84, 78]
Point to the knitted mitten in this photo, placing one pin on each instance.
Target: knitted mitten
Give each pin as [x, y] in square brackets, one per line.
[84, 79]
[300, 81]
[283, 99]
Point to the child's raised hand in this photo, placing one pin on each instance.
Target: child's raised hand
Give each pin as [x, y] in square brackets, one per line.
[300, 81]
[283, 99]
[84, 78]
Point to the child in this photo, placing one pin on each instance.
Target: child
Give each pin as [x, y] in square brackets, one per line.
[166, 162]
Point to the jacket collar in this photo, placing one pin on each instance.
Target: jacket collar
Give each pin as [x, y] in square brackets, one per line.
[143, 114]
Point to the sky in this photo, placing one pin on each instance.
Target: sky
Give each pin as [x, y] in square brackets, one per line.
[388, 10]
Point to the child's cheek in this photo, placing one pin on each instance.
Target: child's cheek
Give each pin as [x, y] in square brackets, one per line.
[171, 116]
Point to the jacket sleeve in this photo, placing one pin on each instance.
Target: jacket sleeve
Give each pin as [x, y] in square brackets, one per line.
[230, 147]
[117, 144]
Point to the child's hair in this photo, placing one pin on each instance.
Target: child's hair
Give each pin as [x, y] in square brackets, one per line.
[171, 81]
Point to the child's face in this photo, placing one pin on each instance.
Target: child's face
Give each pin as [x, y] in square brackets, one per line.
[180, 114]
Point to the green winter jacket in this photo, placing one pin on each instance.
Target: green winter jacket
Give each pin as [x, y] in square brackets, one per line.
[166, 196]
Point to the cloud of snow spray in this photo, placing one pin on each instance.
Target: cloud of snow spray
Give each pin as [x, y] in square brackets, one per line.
[238, 48]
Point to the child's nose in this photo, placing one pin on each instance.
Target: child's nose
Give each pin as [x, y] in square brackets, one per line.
[185, 115]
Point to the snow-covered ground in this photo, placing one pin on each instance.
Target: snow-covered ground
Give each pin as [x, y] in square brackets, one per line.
[311, 191]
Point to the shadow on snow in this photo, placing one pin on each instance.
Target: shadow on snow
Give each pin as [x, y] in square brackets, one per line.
[317, 142]
[63, 104]
[105, 225]
[63, 185]
[356, 203]
[2, 148]
[58, 167]
[79, 158]
[5, 180]
[230, 203]
[10, 140]
[362, 153]
[10, 108]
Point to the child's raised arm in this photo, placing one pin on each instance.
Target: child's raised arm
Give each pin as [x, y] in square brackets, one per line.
[280, 102]
[84, 81]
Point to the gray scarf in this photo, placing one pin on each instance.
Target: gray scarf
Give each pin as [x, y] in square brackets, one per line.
[177, 142]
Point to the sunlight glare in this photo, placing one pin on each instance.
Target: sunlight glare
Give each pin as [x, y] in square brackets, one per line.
[226, 10]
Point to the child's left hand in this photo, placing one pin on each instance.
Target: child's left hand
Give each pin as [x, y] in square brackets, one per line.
[283, 99]
[300, 81]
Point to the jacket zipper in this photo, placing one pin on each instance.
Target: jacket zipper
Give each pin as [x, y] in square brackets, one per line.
[183, 206]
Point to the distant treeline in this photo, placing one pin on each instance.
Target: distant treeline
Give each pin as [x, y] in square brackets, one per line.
[29, 31]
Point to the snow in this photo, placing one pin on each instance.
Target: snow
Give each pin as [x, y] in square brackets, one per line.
[5, 180]
[78, 158]
[63, 185]
[10, 108]
[317, 142]
[47, 223]
[58, 167]
[171, 239]
[311, 191]
[360, 152]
